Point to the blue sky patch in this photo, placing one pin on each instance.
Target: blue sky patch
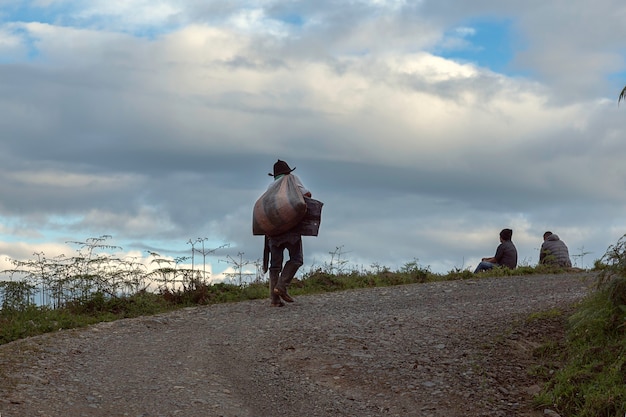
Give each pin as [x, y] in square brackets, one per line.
[66, 15]
[487, 43]
[25, 13]
[292, 19]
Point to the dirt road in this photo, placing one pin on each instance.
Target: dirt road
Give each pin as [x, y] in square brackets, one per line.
[458, 348]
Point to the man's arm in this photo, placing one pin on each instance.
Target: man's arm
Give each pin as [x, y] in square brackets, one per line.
[499, 254]
[266, 254]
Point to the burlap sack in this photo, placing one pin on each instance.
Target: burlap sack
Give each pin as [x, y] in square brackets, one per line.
[279, 209]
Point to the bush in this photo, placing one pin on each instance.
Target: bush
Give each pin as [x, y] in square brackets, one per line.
[458, 273]
[320, 281]
[612, 282]
[15, 295]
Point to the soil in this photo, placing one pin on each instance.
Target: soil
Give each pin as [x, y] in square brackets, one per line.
[455, 348]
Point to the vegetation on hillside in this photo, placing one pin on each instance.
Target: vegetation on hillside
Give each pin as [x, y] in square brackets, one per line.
[591, 376]
[46, 294]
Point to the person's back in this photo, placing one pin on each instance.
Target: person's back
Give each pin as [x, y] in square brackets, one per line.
[554, 251]
[275, 245]
[508, 254]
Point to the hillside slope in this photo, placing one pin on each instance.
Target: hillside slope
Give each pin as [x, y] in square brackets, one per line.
[457, 348]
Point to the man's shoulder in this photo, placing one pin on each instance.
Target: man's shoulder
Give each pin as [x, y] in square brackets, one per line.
[509, 244]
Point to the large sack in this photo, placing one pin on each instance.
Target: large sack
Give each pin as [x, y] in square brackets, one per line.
[310, 224]
[279, 209]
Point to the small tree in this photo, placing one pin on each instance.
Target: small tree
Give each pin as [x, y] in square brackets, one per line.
[337, 264]
[238, 266]
[15, 295]
[622, 96]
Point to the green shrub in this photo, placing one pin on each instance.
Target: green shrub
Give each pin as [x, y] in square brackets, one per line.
[457, 274]
[320, 281]
[16, 295]
[255, 291]
[592, 381]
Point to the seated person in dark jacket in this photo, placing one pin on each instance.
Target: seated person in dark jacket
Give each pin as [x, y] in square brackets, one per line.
[554, 251]
[506, 254]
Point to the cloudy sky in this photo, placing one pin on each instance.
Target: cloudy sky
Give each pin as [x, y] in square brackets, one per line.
[425, 127]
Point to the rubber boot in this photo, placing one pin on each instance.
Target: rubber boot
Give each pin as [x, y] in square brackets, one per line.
[286, 275]
[275, 298]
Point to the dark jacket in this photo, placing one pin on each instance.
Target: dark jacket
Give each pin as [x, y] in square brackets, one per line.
[506, 254]
[554, 252]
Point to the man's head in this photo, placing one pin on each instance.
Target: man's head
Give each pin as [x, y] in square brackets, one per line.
[281, 168]
[506, 234]
[546, 235]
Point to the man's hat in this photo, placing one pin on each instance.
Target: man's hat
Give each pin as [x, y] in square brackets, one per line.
[281, 168]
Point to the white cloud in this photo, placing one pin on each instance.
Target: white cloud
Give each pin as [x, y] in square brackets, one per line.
[47, 178]
[10, 41]
[127, 14]
[255, 22]
[146, 221]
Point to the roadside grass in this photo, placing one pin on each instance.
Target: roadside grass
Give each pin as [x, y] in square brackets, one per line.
[588, 375]
[589, 368]
[20, 318]
[32, 320]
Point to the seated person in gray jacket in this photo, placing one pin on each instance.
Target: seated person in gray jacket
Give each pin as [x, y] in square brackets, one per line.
[506, 254]
[554, 251]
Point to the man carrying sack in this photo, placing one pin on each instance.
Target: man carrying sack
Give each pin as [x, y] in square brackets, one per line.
[291, 240]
